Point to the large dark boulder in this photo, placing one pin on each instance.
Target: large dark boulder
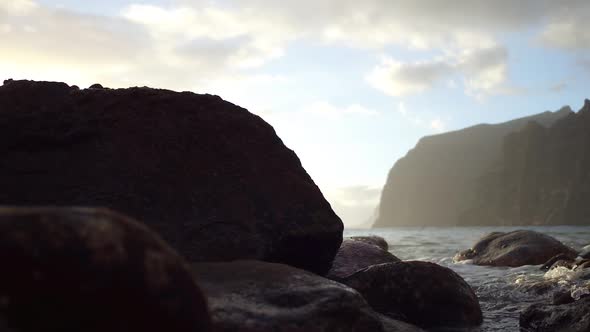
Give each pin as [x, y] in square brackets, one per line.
[568, 317]
[213, 179]
[253, 296]
[517, 248]
[420, 293]
[92, 270]
[355, 255]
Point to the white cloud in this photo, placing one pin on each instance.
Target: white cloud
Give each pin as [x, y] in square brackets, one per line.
[484, 72]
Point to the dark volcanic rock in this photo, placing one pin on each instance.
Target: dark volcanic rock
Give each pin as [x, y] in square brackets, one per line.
[213, 179]
[568, 317]
[356, 255]
[437, 182]
[256, 296]
[79, 269]
[372, 239]
[517, 248]
[420, 293]
[563, 258]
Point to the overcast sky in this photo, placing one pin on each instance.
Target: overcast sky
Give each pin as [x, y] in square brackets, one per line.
[349, 85]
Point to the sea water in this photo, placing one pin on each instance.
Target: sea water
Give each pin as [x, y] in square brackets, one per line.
[503, 292]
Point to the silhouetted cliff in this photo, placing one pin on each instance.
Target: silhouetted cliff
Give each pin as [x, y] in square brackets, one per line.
[544, 178]
[436, 182]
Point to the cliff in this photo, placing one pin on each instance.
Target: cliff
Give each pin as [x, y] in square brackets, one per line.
[436, 182]
[544, 178]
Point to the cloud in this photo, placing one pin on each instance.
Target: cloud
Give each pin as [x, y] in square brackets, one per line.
[399, 79]
[327, 110]
[484, 72]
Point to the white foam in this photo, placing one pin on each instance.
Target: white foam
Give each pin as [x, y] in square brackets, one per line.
[579, 291]
[562, 273]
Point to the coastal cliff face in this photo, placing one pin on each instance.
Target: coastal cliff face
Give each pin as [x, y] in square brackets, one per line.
[214, 180]
[544, 178]
[438, 182]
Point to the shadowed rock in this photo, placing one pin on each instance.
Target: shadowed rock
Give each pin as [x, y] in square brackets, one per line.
[249, 296]
[372, 239]
[568, 317]
[563, 258]
[92, 270]
[517, 248]
[214, 180]
[420, 293]
[355, 255]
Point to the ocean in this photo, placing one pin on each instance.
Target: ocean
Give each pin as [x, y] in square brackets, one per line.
[503, 292]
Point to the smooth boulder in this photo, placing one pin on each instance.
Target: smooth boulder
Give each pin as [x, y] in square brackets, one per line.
[567, 317]
[92, 270]
[214, 180]
[421, 293]
[355, 255]
[249, 296]
[372, 239]
[517, 248]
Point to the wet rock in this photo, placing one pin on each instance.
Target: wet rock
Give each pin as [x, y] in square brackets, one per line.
[92, 270]
[517, 248]
[557, 258]
[214, 180]
[420, 293]
[568, 317]
[584, 264]
[562, 297]
[355, 255]
[372, 239]
[257, 296]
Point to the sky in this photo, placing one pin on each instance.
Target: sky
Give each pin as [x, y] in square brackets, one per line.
[350, 86]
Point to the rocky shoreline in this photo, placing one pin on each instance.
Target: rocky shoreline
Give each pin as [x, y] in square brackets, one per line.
[231, 232]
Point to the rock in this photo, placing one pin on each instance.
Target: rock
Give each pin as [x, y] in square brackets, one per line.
[257, 296]
[562, 297]
[563, 258]
[372, 239]
[517, 248]
[569, 317]
[420, 293]
[355, 255]
[96, 86]
[214, 180]
[92, 270]
[583, 264]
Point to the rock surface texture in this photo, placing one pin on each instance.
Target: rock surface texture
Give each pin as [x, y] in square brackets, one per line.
[569, 317]
[251, 296]
[214, 180]
[372, 239]
[92, 270]
[517, 248]
[355, 255]
[420, 293]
